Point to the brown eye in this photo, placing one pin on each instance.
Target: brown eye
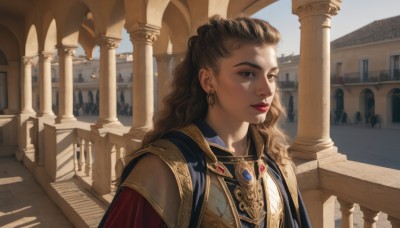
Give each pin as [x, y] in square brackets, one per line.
[247, 74]
[272, 76]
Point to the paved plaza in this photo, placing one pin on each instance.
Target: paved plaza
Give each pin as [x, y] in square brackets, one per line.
[24, 204]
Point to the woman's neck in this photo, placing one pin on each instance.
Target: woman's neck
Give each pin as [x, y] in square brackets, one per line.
[232, 133]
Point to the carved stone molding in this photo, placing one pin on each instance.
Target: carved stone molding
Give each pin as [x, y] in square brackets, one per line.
[66, 50]
[317, 8]
[27, 60]
[144, 33]
[46, 56]
[108, 42]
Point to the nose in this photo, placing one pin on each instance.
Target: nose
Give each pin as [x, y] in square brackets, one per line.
[265, 87]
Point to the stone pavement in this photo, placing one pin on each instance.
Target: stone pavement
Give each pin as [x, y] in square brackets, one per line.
[23, 203]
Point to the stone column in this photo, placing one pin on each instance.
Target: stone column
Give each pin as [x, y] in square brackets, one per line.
[347, 210]
[313, 143]
[25, 147]
[108, 83]
[164, 67]
[26, 87]
[45, 109]
[313, 138]
[142, 36]
[65, 95]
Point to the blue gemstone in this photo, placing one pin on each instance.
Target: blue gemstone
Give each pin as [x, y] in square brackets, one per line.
[247, 175]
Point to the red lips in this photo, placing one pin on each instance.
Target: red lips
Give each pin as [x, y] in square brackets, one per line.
[261, 107]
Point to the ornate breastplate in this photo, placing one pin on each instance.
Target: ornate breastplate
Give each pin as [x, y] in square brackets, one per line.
[242, 194]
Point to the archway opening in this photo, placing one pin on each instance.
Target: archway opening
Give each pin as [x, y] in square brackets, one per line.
[339, 100]
[396, 106]
[369, 105]
[3, 84]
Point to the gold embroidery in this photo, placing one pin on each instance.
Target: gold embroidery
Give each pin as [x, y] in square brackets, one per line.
[249, 192]
[171, 155]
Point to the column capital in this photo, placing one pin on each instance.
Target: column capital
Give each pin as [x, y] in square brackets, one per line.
[163, 57]
[27, 60]
[68, 50]
[312, 7]
[144, 33]
[108, 42]
[46, 56]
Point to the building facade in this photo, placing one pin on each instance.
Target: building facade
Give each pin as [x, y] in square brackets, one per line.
[86, 85]
[365, 76]
[365, 69]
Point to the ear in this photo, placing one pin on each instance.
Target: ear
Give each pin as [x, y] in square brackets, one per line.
[206, 79]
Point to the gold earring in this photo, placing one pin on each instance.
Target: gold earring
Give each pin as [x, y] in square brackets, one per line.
[211, 99]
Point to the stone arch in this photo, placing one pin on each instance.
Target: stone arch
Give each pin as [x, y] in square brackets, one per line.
[32, 43]
[9, 45]
[367, 104]
[200, 11]
[69, 16]
[394, 105]
[50, 40]
[247, 7]
[174, 34]
[115, 19]
[146, 12]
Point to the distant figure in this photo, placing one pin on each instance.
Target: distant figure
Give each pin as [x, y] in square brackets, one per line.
[358, 117]
[375, 120]
[344, 117]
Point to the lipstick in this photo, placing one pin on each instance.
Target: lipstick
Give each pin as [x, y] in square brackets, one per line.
[261, 107]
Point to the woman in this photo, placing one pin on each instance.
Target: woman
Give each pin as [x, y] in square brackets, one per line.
[216, 156]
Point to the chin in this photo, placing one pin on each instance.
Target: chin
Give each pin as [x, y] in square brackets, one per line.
[258, 119]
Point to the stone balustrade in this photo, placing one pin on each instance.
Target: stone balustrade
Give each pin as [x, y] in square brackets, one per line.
[376, 189]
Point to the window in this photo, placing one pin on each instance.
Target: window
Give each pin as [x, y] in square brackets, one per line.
[395, 67]
[339, 76]
[364, 70]
[287, 77]
[3, 91]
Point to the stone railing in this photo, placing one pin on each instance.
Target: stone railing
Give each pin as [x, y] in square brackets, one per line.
[375, 189]
[83, 154]
[97, 158]
[380, 76]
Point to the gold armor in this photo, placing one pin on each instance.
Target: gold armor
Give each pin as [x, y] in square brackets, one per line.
[238, 189]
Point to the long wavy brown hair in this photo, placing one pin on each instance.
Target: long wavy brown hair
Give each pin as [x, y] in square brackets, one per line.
[187, 100]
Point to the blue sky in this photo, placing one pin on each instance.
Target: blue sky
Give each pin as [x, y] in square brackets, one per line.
[353, 15]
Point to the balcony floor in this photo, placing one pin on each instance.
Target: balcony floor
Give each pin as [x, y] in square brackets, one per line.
[23, 203]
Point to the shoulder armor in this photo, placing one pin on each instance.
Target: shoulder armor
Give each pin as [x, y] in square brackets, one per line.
[172, 157]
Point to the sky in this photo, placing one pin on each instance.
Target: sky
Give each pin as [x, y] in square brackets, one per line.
[352, 15]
